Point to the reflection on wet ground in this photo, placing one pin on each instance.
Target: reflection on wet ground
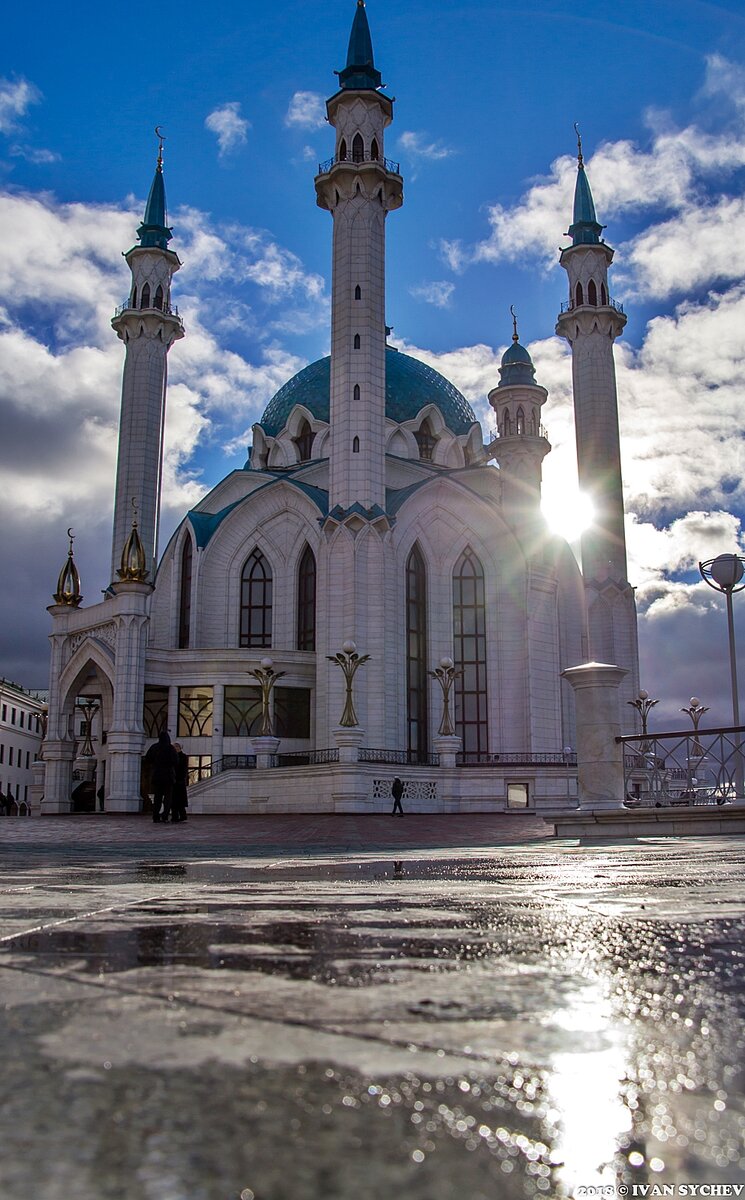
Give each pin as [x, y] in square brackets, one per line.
[531, 1022]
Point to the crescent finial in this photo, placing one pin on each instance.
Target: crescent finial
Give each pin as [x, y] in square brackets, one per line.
[161, 140]
[515, 338]
[71, 536]
[579, 145]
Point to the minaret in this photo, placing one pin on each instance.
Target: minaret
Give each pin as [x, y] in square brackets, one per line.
[358, 187]
[591, 322]
[522, 444]
[148, 326]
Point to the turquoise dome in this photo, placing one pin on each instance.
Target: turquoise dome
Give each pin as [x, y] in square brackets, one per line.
[409, 386]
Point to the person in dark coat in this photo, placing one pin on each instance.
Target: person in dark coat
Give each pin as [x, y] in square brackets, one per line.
[161, 759]
[397, 791]
[180, 800]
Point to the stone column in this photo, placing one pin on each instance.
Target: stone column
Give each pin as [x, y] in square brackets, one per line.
[447, 746]
[348, 738]
[218, 707]
[58, 755]
[36, 791]
[599, 755]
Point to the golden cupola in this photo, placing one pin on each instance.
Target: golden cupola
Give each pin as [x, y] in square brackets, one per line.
[68, 584]
[133, 568]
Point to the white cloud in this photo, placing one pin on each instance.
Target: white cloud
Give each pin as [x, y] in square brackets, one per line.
[16, 97]
[229, 127]
[37, 155]
[416, 145]
[437, 293]
[306, 110]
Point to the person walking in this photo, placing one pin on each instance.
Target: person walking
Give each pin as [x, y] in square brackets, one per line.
[397, 791]
[180, 800]
[161, 758]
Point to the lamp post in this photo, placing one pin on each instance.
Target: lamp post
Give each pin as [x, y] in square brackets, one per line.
[266, 677]
[643, 704]
[725, 574]
[696, 711]
[350, 662]
[88, 708]
[446, 674]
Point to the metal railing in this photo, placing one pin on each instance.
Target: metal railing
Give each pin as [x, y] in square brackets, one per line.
[230, 762]
[388, 163]
[569, 305]
[305, 758]
[398, 758]
[516, 758]
[526, 431]
[170, 310]
[683, 767]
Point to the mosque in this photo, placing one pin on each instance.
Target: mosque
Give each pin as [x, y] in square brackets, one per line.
[375, 592]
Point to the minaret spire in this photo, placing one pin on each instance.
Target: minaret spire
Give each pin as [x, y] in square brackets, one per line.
[359, 188]
[591, 322]
[148, 326]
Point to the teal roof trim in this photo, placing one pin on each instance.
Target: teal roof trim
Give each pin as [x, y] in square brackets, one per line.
[153, 231]
[360, 70]
[409, 386]
[585, 229]
[206, 524]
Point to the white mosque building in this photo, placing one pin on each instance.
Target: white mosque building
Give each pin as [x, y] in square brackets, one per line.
[372, 530]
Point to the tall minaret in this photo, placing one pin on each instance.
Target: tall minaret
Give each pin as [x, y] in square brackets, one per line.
[358, 187]
[148, 326]
[591, 322]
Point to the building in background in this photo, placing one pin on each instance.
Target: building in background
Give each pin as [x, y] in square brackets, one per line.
[372, 518]
[22, 723]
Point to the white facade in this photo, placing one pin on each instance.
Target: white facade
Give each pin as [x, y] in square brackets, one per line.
[22, 717]
[370, 511]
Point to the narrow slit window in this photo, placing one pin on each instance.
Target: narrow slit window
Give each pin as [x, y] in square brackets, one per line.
[580, 295]
[343, 150]
[357, 341]
[374, 151]
[158, 303]
[184, 620]
[356, 445]
[592, 293]
[145, 301]
[358, 292]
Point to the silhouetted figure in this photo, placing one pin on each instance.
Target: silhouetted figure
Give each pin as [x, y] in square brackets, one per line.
[397, 791]
[161, 758]
[180, 800]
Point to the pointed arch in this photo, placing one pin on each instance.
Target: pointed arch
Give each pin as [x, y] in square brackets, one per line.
[374, 150]
[358, 149]
[306, 601]
[343, 150]
[520, 422]
[256, 601]
[133, 301]
[355, 445]
[579, 296]
[145, 300]
[304, 441]
[592, 293]
[358, 292]
[184, 606]
[603, 294]
[357, 341]
[356, 393]
[425, 440]
[469, 644]
[158, 301]
[417, 723]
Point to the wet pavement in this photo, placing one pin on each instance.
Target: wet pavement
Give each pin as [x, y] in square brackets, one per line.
[279, 1009]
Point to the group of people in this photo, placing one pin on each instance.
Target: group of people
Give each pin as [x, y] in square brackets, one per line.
[169, 776]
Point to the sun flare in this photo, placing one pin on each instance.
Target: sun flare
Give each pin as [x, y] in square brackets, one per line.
[568, 513]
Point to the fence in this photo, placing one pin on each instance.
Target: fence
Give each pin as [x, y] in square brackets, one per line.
[683, 767]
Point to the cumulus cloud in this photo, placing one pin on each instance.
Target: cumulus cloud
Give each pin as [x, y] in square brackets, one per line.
[229, 127]
[437, 293]
[417, 146]
[16, 97]
[306, 110]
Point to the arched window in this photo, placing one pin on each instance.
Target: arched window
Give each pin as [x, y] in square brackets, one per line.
[355, 445]
[356, 393]
[145, 301]
[184, 607]
[520, 421]
[358, 292]
[358, 149]
[425, 440]
[133, 301]
[416, 654]
[469, 645]
[603, 294]
[534, 423]
[342, 150]
[256, 601]
[304, 442]
[374, 151]
[357, 341]
[506, 423]
[592, 293]
[158, 302]
[306, 601]
[580, 295]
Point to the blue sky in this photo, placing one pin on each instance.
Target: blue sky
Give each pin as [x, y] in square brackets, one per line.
[486, 96]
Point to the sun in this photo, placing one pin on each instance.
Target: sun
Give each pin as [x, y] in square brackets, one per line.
[568, 512]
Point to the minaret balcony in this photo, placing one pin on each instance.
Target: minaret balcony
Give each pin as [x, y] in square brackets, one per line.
[166, 309]
[572, 306]
[325, 167]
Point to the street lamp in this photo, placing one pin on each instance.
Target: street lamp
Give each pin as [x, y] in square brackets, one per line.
[446, 675]
[695, 711]
[642, 704]
[88, 708]
[266, 677]
[725, 574]
[349, 661]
